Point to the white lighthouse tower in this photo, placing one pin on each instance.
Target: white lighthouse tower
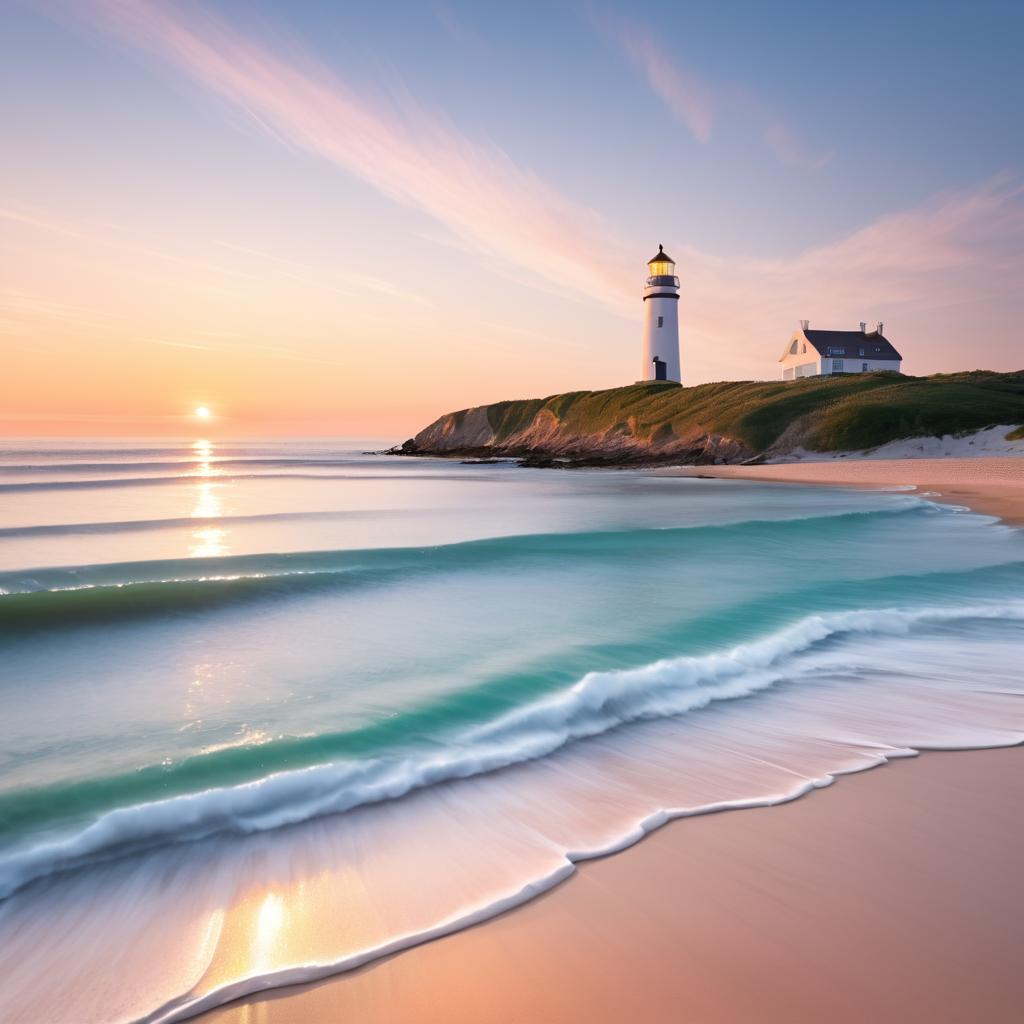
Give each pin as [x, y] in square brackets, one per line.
[661, 320]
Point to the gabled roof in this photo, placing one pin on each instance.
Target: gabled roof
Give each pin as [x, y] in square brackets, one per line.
[850, 343]
[662, 255]
[846, 345]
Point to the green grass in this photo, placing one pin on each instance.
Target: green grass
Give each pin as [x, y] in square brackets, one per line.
[830, 413]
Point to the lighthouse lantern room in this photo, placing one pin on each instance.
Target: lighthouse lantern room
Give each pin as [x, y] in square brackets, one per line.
[661, 320]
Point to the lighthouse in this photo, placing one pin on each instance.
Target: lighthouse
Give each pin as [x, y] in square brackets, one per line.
[661, 320]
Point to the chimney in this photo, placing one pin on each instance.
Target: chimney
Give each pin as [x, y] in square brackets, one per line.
[878, 329]
[804, 324]
[863, 327]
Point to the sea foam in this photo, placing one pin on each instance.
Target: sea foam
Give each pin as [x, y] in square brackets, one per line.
[597, 703]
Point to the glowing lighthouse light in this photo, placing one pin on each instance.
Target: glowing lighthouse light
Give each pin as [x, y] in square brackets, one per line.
[661, 320]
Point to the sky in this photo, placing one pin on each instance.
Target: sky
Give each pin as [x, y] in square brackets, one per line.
[324, 219]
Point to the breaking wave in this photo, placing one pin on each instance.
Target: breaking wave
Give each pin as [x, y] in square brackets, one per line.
[597, 703]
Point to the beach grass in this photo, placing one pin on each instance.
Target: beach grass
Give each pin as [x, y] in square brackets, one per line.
[838, 413]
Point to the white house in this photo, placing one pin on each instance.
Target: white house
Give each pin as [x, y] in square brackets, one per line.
[660, 350]
[822, 353]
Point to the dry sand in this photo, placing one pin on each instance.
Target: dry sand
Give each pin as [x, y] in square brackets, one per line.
[893, 895]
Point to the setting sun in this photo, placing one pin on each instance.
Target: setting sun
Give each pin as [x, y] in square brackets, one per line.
[309, 312]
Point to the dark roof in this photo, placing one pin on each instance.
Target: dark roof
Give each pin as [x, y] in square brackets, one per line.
[849, 344]
[662, 255]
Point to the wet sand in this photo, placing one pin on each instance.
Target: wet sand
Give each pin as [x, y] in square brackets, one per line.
[894, 894]
[993, 485]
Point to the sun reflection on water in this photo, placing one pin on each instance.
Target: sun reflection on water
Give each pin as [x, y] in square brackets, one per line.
[207, 541]
[207, 502]
[202, 673]
[204, 453]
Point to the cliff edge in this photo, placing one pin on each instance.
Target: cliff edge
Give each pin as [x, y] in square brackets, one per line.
[727, 422]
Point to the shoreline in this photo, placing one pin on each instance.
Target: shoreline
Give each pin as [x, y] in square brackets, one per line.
[890, 894]
[607, 944]
[991, 485]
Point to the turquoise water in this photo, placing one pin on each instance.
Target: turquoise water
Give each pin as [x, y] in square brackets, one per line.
[352, 701]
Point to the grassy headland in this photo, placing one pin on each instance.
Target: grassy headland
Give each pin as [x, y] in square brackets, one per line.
[730, 421]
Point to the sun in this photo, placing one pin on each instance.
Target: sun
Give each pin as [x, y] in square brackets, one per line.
[201, 412]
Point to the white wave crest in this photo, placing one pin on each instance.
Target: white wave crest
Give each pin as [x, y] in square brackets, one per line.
[600, 701]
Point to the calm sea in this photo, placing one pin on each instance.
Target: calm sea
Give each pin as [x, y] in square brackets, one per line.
[272, 710]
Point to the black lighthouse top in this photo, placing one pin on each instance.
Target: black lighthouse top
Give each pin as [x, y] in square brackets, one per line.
[662, 270]
[661, 257]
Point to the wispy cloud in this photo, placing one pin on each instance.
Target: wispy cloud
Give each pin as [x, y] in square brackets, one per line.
[23, 308]
[104, 233]
[410, 154]
[777, 133]
[939, 273]
[688, 99]
[300, 272]
[783, 142]
[697, 104]
[63, 416]
[34, 220]
[249, 350]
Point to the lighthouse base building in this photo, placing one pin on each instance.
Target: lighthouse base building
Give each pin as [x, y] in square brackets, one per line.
[660, 359]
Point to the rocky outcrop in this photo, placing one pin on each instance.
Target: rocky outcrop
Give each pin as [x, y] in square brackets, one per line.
[546, 433]
[725, 421]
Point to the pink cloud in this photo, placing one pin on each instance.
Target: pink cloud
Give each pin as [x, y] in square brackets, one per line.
[411, 155]
[696, 104]
[938, 273]
[782, 140]
[688, 99]
[943, 276]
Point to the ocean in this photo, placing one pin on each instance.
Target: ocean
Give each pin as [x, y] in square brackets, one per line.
[273, 710]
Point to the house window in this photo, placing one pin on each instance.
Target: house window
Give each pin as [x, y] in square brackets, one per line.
[863, 367]
[861, 352]
[837, 366]
[661, 320]
[803, 348]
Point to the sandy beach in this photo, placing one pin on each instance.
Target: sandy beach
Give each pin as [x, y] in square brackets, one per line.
[990, 484]
[892, 894]
[511, 514]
